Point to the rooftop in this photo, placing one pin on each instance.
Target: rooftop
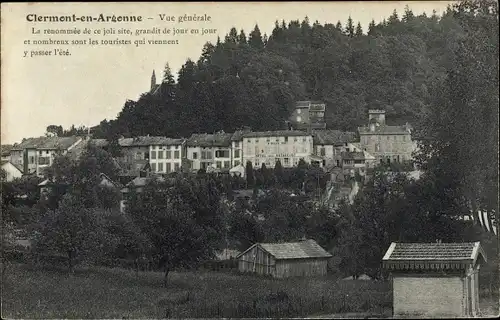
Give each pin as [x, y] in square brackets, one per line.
[384, 129]
[219, 139]
[50, 143]
[293, 250]
[6, 149]
[333, 137]
[432, 255]
[149, 141]
[280, 133]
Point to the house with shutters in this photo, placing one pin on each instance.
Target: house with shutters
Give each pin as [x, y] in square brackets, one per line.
[35, 154]
[210, 151]
[435, 279]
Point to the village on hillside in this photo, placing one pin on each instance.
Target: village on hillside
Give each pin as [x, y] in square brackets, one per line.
[320, 172]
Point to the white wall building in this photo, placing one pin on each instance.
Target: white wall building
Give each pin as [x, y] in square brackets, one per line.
[210, 150]
[269, 146]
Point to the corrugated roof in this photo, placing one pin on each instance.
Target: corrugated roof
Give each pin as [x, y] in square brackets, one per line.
[436, 256]
[279, 133]
[384, 129]
[52, 143]
[149, 141]
[220, 139]
[333, 137]
[353, 155]
[295, 250]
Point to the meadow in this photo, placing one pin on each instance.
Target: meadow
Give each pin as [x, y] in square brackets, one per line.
[95, 292]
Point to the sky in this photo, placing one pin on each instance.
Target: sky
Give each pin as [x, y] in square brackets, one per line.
[93, 83]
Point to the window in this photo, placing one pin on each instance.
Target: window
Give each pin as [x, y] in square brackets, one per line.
[32, 160]
[195, 155]
[146, 155]
[268, 140]
[227, 164]
[160, 154]
[160, 167]
[168, 168]
[256, 140]
[236, 144]
[347, 149]
[304, 139]
[153, 167]
[388, 138]
[294, 139]
[43, 160]
[40, 152]
[222, 154]
[236, 162]
[168, 147]
[168, 155]
[257, 163]
[176, 154]
[286, 139]
[219, 164]
[286, 161]
[248, 141]
[236, 153]
[322, 152]
[176, 167]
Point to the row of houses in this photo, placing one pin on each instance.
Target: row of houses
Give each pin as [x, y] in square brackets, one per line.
[376, 143]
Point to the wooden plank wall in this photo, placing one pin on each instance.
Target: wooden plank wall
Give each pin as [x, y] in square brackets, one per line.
[301, 268]
[257, 260]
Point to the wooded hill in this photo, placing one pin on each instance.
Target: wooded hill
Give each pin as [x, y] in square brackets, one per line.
[254, 80]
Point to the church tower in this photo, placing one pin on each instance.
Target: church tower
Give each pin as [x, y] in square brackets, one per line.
[153, 81]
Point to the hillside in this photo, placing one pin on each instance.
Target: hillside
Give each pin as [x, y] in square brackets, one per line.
[254, 80]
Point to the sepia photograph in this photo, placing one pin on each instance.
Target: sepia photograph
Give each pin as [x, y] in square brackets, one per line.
[257, 160]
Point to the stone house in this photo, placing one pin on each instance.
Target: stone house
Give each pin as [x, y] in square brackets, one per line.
[385, 142]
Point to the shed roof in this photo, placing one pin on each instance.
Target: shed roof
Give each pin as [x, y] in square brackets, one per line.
[6, 149]
[293, 250]
[432, 255]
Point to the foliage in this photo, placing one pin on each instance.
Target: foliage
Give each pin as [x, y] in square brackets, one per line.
[71, 230]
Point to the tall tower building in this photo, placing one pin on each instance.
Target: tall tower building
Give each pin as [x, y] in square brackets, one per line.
[153, 81]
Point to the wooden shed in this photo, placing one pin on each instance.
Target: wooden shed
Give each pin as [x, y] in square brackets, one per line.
[282, 260]
[435, 279]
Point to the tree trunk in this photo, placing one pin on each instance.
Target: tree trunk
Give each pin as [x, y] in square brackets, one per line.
[70, 262]
[165, 280]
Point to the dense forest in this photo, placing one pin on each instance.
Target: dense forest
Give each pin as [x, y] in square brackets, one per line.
[254, 80]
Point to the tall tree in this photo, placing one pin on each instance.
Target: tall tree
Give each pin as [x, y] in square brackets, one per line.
[359, 30]
[349, 28]
[255, 38]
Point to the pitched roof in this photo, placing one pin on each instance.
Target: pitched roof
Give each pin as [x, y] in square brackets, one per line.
[52, 143]
[385, 129]
[432, 255]
[293, 250]
[220, 139]
[6, 149]
[279, 133]
[100, 143]
[333, 137]
[149, 141]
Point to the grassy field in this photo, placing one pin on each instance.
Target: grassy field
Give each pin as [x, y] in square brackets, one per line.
[117, 293]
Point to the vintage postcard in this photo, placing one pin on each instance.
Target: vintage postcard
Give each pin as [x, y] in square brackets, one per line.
[250, 160]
